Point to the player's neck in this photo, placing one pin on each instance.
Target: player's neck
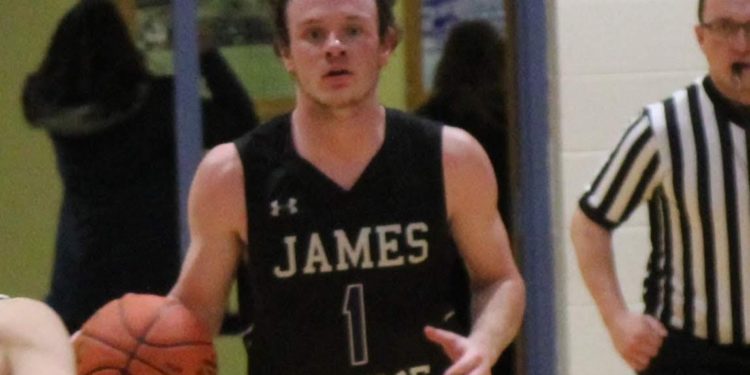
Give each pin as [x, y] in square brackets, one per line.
[341, 149]
[346, 130]
[323, 115]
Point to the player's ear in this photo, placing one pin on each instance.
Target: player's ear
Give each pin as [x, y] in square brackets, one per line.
[282, 51]
[388, 43]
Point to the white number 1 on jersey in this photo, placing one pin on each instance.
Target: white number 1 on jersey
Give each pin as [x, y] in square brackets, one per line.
[354, 311]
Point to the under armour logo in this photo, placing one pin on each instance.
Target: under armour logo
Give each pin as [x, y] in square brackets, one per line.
[290, 207]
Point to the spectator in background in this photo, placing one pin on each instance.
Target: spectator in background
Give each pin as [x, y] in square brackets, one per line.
[112, 126]
[469, 93]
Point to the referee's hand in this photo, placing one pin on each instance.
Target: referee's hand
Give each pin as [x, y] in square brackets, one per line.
[638, 338]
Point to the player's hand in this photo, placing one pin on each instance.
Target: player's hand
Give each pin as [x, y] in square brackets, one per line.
[638, 338]
[469, 358]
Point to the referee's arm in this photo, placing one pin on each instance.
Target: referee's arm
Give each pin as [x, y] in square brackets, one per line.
[636, 337]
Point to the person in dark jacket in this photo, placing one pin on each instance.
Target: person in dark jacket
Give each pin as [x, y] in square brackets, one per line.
[469, 92]
[112, 127]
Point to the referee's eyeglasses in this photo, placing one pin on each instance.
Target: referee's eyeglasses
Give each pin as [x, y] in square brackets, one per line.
[728, 29]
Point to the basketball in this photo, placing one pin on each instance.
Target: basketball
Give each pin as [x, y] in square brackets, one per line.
[142, 334]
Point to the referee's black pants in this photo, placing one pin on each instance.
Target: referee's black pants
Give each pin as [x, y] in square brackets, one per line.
[685, 354]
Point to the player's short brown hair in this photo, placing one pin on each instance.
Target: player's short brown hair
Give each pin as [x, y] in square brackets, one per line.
[386, 20]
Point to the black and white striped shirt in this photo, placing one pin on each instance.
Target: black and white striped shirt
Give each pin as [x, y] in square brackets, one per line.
[687, 158]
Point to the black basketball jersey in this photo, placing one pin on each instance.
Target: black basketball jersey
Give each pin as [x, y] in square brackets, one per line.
[344, 281]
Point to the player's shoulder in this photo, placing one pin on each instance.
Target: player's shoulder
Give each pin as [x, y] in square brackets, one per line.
[412, 131]
[273, 130]
[411, 121]
[460, 146]
[267, 141]
[219, 171]
[455, 138]
[217, 189]
[465, 162]
[221, 159]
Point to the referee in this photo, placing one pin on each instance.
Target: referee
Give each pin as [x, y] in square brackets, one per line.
[686, 158]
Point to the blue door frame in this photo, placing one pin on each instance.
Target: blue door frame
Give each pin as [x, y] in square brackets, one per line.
[188, 131]
[539, 349]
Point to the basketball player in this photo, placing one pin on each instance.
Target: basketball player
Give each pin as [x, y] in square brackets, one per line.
[339, 214]
[33, 339]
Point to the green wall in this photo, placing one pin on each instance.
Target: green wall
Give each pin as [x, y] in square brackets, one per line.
[29, 184]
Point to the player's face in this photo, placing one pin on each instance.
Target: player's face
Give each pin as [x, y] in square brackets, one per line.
[724, 38]
[334, 51]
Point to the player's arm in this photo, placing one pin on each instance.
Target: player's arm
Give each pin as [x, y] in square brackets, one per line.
[217, 219]
[498, 292]
[636, 336]
[34, 339]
